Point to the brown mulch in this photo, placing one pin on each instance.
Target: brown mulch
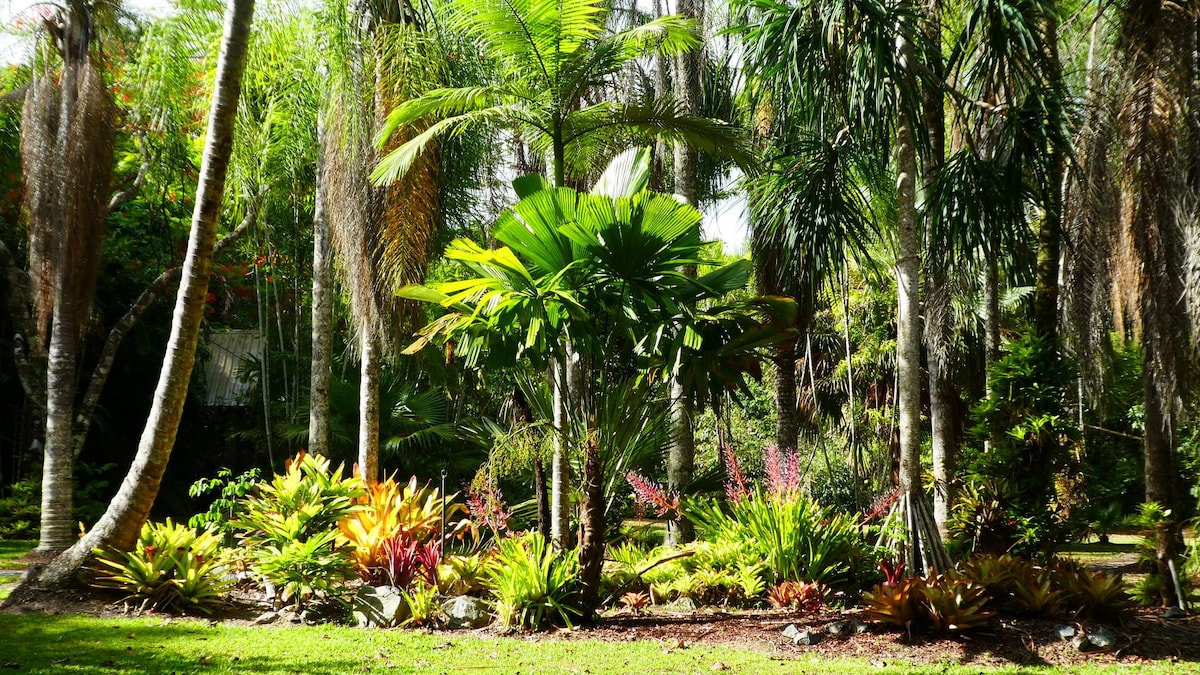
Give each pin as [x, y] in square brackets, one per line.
[1143, 638]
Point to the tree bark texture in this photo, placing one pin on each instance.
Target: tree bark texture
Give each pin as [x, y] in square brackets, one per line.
[591, 546]
[322, 316]
[129, 509]
[368, 408]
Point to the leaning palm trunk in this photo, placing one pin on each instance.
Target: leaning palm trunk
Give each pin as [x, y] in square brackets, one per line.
[128, 510]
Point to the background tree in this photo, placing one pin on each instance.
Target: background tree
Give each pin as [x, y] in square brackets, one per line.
[128, 511]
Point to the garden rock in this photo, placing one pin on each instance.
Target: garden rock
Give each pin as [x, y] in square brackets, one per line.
[859, 627]
[836, 628]
[1175, 613]
[1064, 632]
[1103, 638]
[466, 612]
[800, 637]
[266, 617]
[379, 607]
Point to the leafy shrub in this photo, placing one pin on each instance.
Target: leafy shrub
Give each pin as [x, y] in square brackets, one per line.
[423, 608]
[797, 595]
[462, 574]
[21, 510]
[288, 527]
[406, 560]
[894, 602]
[796, 538]
[171, 568]
[1092, 595]
[953, 603]
[1031, 433]
[390, 515]
[534, 585]
[230, 493]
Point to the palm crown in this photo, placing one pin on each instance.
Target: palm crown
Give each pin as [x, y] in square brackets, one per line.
[551, 55]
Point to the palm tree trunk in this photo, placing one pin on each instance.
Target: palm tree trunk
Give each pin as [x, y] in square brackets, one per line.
[591, 545]
[560, 467]
[787, 422]
[923, 549]
[129, 509]
[1161, 477]
[681, 460]
[368, 408]
[322, 314]
[1045, 302]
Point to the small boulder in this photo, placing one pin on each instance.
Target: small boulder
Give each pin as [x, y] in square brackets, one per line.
[799, 637]
[836, 628]
[379, 607]
[1103, 638]
[1064, 631]
[859, 627]
[466, 612]
[1175, 613]
[266, 617]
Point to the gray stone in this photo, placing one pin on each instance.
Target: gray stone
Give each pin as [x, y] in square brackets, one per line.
[1064, 632]
[1175, 613]
[1103, 638]
[379, 607]
[466, 612]
[858, 627]
[836, 628]
[800, 637]
[266, 617]
[1082, 644]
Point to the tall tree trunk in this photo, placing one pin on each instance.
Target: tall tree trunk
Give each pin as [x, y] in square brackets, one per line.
[943, 439]
[129, 509]
[681, 457]
[1045, 301]
[1161, 478]
[368, 408]
[75, 157]
[322, 313]
[923, 546]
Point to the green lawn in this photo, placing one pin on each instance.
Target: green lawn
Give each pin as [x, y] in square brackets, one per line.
[11, 550]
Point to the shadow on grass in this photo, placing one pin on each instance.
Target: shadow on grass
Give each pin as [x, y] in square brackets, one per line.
[45, 644]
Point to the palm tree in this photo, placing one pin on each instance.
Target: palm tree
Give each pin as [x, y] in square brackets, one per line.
[1155, 53]
[67, 150]
[552, 56]
[129, 509]
[848, 74]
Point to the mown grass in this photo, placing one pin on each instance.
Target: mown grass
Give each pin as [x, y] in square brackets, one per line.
[12, 550]
[77, 644]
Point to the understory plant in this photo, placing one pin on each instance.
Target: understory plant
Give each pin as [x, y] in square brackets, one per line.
[288, 528]
[534, 585]
[797, 539]
[173, 568]
[392, 531]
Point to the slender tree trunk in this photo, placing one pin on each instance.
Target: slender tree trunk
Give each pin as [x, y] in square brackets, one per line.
[591, 545]
[1045, 301]
[322, 314]
[129, 509]
[923, 548]
[681, 457]
[542, 496]
[942, 398]
[560, 466]
[368, 408]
